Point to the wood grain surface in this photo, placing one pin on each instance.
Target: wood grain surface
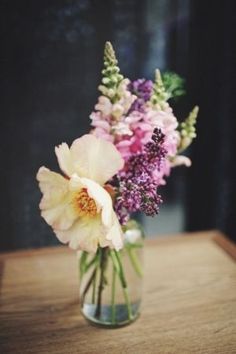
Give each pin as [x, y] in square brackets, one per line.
[189, 301]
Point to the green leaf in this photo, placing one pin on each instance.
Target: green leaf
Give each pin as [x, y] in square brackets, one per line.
[174, 84]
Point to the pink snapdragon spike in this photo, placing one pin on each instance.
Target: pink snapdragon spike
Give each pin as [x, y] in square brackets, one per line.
[133, 130]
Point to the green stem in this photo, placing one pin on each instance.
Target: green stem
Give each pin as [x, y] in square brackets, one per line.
[82, 263]
[134, 260]
[84, 268]
[103, 259]
[127, 300]
[135, 245]
[88, 286]
[94, 286]
[89, 265]
[119, 269]
[113, 307]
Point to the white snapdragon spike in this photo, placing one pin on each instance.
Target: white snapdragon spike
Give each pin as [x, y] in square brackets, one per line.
[122, 128]
[121, 105]
[77, 206]
[104, 105]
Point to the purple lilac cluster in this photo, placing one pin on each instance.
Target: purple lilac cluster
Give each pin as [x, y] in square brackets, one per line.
[142, 89]
[138, 188]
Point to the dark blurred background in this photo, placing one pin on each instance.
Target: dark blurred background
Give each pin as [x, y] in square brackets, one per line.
[51, 59]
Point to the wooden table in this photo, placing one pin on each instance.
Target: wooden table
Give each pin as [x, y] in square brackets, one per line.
[189, 301]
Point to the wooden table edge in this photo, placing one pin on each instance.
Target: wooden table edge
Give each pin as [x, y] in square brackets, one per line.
[219, 238]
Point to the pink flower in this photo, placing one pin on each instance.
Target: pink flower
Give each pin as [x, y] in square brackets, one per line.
[132, 131]
[102, 127]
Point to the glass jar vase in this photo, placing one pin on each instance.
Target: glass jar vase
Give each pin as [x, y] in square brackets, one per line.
[111, 281]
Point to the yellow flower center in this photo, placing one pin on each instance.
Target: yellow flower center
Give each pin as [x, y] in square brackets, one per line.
[84, 205]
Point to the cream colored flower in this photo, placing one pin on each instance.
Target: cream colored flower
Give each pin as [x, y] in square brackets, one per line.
[77, 206]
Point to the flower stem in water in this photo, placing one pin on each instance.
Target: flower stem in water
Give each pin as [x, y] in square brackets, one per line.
[94, 285]
[103, 261]
[82, 263]
[113, 307]
[88, 286]
[134, 260]
[115, 255]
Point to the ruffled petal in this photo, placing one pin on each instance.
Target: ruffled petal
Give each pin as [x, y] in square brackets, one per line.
[90, 157]
[83, 235]
[115, 234]
[56, 207]
[95, 158]
[64, 158]
[53, 186]
[87, 234]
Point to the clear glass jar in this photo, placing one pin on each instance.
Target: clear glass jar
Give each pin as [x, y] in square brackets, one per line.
[111, 281]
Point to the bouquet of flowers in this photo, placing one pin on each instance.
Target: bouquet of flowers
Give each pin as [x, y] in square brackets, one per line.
[111, 173]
